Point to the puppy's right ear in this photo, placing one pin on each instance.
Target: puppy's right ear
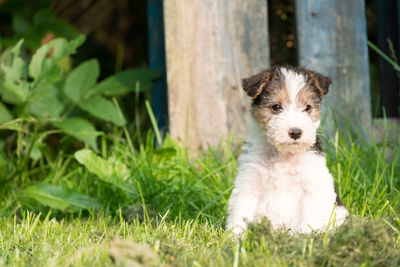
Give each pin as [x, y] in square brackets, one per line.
[255, 84]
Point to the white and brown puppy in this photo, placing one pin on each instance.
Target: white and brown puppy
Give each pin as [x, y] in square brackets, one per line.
[282, 172]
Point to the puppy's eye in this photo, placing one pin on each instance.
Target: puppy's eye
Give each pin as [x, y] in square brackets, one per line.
[308, 108]
[276, 107]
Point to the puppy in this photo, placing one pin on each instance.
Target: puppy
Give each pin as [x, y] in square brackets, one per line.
[282, 172]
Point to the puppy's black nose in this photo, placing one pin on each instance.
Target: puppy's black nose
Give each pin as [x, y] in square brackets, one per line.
[295, 133]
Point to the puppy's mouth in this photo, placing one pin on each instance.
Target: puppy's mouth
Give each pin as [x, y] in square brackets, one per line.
[293, 147]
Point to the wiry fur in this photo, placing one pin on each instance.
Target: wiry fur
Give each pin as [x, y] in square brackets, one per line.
[279, 177]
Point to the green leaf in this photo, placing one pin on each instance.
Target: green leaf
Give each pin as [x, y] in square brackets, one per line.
[36, 152]
[45, 102]
[126, 81]
[44, 62]
[6, 58]
[5, 114]
[81, 129]
[111, 171]
[81, 79]
[15, 86]
[20, 24]
[58, 197]
[102, 108]
[46, 21]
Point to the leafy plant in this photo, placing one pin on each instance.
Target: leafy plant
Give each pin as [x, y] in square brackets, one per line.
[57, 197]
[41, 94]
[33, 23]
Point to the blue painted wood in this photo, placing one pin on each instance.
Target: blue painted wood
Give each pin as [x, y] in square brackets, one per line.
[159, 100]
[332, 39]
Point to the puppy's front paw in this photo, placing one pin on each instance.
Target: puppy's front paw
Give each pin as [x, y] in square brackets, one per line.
[341, 214]
[236, 230]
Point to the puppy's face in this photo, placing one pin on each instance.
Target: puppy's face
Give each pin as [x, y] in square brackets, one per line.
[287, 105]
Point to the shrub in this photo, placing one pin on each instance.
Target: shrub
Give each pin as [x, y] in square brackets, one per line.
[41, 96]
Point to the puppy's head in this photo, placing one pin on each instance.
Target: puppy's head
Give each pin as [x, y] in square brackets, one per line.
[287, 105]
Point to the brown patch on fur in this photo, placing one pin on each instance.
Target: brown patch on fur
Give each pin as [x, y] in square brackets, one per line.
[279, 95]
[319, 81]
[274, 92]
[259, 90]
[307, 96]
[256, 83]
[268, 88]
[262, 114]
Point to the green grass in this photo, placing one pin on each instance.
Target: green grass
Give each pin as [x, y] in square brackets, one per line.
[174, 201]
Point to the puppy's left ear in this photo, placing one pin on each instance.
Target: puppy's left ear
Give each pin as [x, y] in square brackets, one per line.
[256, 83]
[320, 82]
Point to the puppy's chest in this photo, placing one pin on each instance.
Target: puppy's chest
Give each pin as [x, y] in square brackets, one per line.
[285, 185]
[292, 176]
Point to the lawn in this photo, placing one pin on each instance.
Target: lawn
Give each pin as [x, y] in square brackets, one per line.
[166, 206]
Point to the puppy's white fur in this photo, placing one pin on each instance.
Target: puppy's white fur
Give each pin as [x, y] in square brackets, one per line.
[281, 178]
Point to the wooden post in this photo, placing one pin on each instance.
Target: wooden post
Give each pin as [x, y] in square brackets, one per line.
[210, 46]
[332, 39]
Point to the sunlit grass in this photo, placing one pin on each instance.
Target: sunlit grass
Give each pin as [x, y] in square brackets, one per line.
[178, 207]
